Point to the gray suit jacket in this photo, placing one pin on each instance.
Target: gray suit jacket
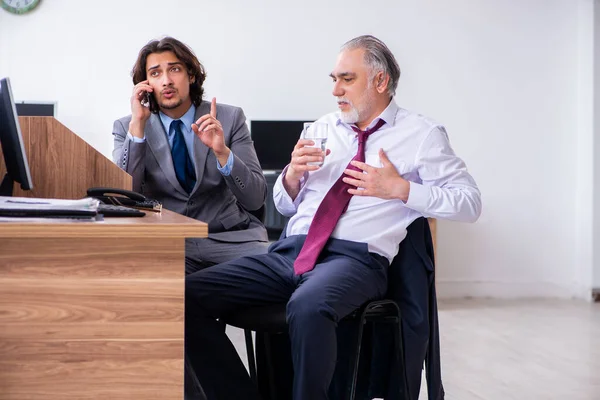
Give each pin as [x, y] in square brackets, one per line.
[221, 201]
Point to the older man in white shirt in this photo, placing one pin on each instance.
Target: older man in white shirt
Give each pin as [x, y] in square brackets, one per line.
[384, 167]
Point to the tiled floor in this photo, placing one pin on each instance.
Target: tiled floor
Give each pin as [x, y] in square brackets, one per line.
[521, 350]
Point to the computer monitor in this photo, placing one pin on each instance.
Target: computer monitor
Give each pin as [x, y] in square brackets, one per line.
[13, 150]
[274, 141]
[36, 109]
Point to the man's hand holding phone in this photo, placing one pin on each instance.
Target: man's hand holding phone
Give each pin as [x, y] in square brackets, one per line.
[140, 111]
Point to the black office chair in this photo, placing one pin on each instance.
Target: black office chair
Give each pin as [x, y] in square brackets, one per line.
[412, 285]
[271, 320]
[260, 213]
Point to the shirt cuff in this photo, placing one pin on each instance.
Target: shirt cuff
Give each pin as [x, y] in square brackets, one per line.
[135, 138]
[418, 197]
[226, 169]
[296, 202]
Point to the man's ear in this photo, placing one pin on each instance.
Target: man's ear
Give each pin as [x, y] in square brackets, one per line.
[192, 79]
[381, 81]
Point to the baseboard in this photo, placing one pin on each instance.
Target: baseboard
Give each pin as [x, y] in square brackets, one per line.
[509, 290]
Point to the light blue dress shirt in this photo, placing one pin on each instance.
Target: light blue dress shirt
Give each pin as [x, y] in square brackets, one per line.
[188, 136]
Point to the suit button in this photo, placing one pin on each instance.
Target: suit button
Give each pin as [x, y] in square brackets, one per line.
[191, 202]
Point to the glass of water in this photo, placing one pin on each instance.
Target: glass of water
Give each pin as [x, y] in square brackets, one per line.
[317, 132]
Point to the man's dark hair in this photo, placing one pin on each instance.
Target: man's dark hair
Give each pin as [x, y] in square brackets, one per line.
[184, 54]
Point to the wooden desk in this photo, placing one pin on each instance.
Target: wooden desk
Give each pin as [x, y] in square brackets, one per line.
[93, 310]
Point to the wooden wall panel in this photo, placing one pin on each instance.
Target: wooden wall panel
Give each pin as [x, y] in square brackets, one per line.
[62, 164]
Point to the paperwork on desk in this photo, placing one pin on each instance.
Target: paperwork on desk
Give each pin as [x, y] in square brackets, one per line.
[25, 207]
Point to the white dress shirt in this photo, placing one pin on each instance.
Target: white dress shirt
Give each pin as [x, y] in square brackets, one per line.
[440, 185]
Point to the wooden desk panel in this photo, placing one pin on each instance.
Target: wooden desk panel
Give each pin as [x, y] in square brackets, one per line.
[93, 310]
[164, 224]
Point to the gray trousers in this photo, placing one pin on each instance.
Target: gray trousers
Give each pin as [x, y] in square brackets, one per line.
[202, 253]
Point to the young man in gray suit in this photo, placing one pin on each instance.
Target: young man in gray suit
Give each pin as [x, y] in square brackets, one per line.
[195, 157]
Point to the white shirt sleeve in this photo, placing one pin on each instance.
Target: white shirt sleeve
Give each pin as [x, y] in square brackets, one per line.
[282, 200]
[446, 190]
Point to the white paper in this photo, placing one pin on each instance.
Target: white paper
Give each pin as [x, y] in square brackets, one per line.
[33, 203]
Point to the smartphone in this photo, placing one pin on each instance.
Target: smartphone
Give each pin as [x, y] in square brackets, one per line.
[146, 100]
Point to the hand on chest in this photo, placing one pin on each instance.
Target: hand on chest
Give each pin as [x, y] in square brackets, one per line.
[343, 149]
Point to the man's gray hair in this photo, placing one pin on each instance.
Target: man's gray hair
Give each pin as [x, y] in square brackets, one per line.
[378, 57]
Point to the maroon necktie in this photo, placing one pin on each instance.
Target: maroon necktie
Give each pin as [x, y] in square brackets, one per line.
[330, 210]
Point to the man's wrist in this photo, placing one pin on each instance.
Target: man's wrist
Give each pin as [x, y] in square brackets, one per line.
[222, 156]
[404, 191]
[291, 184]
[290, 179]
[136, 128]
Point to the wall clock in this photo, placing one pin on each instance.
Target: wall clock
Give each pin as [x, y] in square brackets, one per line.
[19, 6]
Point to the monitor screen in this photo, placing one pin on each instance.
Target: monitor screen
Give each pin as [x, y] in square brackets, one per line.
[13, 150]
[36, 109]
[274, 141]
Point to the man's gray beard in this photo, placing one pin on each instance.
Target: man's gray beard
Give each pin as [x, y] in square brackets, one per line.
[171, 106]
[350, 117]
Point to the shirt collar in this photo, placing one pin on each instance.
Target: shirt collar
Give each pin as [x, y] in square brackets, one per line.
[187, 119]
[388, 115]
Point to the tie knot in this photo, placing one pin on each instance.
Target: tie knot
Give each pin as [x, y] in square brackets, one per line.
[176, 125]
[363, 135]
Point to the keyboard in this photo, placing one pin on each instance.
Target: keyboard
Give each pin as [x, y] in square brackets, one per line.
[109, 210]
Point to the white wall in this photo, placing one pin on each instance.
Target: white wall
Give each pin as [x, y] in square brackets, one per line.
[585, 163]
[595, 109]
[503, 76]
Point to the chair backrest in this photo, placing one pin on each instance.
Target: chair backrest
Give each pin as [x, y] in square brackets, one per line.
[411, 284]
[415, 249]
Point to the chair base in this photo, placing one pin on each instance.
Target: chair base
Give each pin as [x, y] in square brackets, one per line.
[271, 319]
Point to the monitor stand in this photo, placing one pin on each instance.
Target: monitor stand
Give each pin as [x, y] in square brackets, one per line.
[6, 187]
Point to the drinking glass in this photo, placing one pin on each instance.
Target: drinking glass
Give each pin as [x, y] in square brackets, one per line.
[317, 132]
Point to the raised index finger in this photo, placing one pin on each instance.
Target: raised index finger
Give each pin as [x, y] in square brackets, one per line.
[213, 108]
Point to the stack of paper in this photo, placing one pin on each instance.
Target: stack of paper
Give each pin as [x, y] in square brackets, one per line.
[55, 208]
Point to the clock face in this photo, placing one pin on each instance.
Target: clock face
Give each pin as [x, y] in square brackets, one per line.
[19, 6]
